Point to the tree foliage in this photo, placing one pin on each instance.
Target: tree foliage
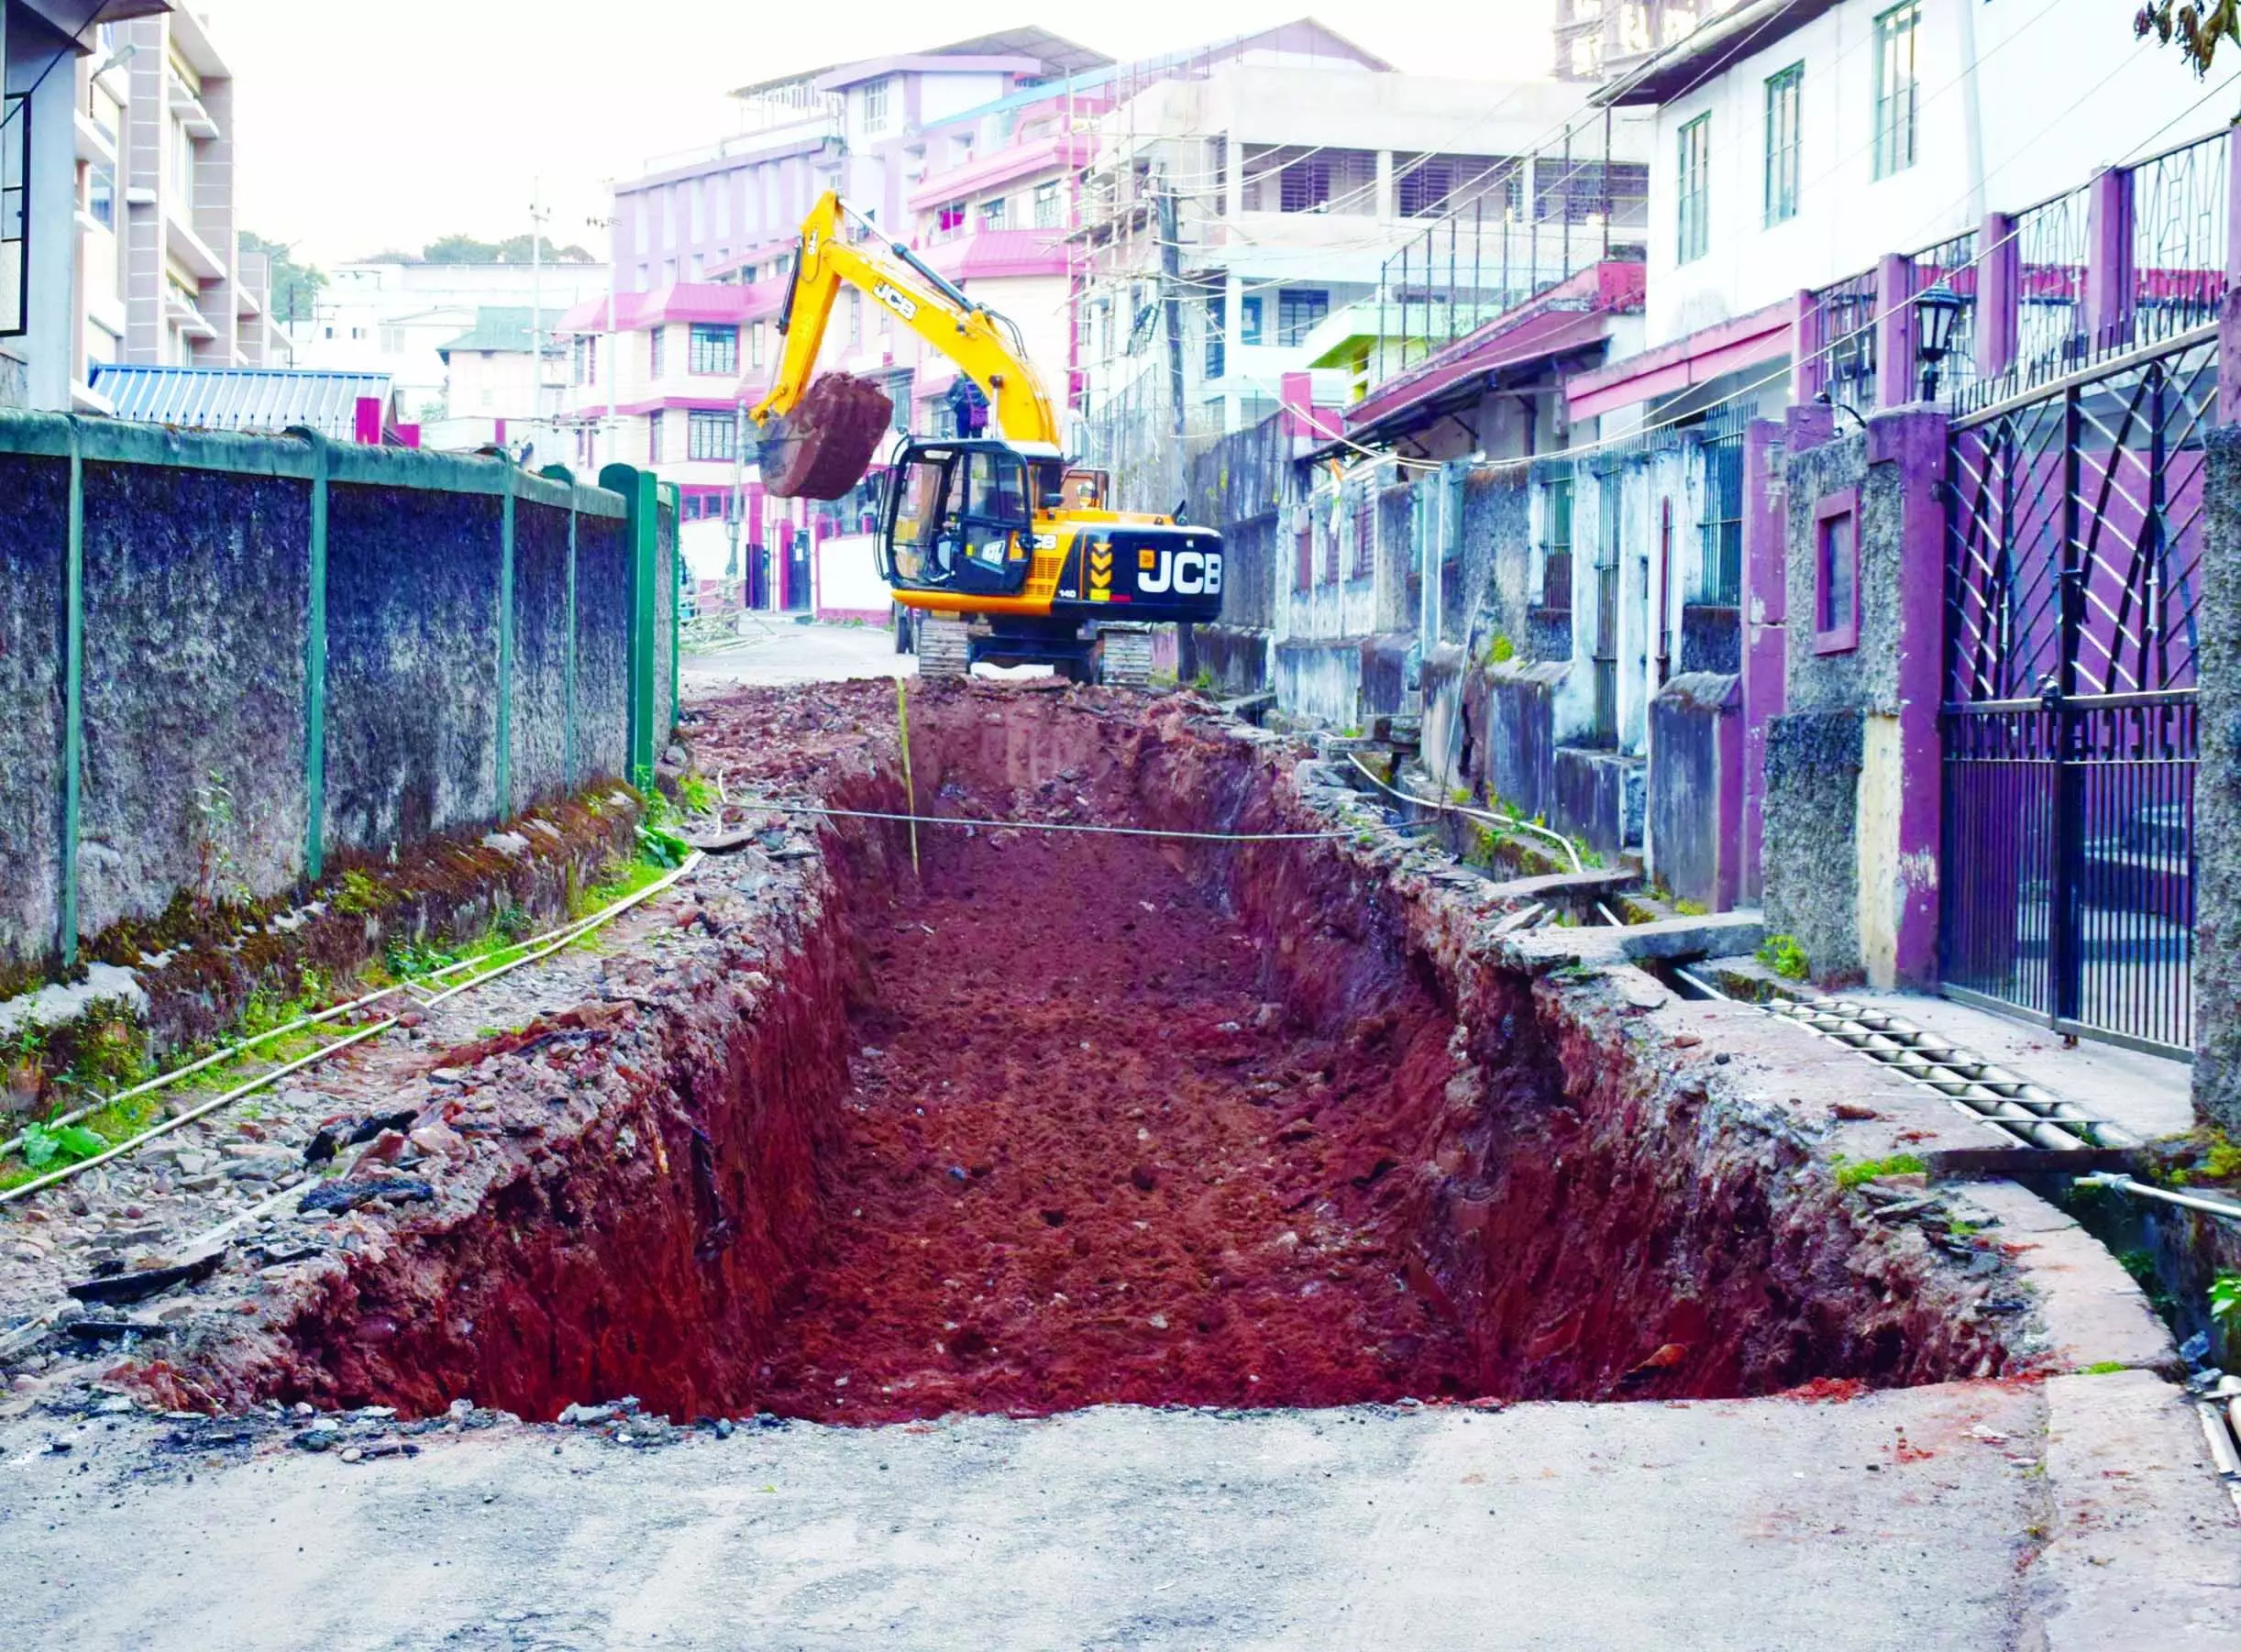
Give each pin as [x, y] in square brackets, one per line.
[2196, 26]
[514, 249]
[295, 286]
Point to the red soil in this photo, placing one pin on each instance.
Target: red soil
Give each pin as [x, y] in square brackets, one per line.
[1082, 1163]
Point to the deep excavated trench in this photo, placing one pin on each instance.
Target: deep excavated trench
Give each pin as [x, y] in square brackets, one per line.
[1075, 1118]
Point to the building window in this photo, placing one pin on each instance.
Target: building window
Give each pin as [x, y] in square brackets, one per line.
[855, 316]
[1694, 225]
[1835, 596]
[1424, 188]
[1300, 311]
[101, 193]
[1556, 545]
[584, 358]
[1306, 185]
[948, 220]
[996, 213]
[1046, 205]
[652, 437]
[1302, 572]
[754, 345]
[1895, 102]
[656, 352]
[1217, 356]
[1329, 529]
[1249, 319]
[715, 347]
[1366, 535]
[1783, 98]
[710, 435]
[875, 106]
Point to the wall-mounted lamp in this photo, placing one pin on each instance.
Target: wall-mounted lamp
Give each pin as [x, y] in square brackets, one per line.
[1937, 310]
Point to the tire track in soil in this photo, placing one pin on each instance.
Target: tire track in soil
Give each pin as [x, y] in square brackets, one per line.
[1082, 1163]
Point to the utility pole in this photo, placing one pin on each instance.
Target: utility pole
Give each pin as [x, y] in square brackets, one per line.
[536, 305]
[1171, 308]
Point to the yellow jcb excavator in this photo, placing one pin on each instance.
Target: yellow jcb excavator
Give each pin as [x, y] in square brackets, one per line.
[999, 548]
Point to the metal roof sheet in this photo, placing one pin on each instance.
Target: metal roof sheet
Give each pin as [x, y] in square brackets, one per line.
[272, 400]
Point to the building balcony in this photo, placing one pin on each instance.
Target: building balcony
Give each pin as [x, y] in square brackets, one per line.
[193, 254]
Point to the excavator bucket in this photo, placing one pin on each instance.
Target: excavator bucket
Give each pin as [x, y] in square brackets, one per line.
[824, 447]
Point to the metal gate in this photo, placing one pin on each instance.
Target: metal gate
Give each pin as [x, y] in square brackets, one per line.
[2073, 572]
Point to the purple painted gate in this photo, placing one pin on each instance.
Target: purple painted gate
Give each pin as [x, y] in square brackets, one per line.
[2067, 874]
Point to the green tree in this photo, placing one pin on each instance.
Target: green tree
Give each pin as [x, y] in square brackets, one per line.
[295, 287]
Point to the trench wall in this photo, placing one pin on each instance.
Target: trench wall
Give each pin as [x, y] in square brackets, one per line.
[284, 654]
[1604, 1221]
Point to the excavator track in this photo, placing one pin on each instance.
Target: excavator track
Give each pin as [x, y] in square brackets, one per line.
[942, 647]
[1125, 656]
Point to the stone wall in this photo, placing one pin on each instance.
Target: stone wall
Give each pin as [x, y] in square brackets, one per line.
[2217, 792]
[205, 743]
[1696, 788]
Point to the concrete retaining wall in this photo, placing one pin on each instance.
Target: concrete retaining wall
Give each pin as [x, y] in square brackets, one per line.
[233, 686]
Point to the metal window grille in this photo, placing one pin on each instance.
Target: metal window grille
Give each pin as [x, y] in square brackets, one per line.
[2051, 242]
[14, 215]
[1046, 206]
[1366, 535]
[1556, 545]
[1694, 228]
[1844, 335]
[715, 347]
[2179, 203]
[1720, 568]
[1954, 263]
[656, 350]
[1784, 116]
[1422, 190]
[711, 435]
[1896, 104]
[652, 437]
[1300, 311]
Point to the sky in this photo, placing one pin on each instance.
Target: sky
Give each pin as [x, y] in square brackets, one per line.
[369, 128]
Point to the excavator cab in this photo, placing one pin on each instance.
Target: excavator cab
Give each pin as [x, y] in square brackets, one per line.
[960, 517]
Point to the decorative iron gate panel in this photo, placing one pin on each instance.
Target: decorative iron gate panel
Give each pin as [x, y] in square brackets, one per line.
[2067, 877]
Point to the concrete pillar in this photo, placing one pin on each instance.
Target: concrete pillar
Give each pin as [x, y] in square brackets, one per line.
[1766, 608]
[2218, 789]
[1388, 203]
[1851, 788]
[55, 338]
[2108, 253]
[1999, 296]
[1898, 376]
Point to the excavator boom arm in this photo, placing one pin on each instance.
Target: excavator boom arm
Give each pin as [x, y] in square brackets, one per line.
[895, 279]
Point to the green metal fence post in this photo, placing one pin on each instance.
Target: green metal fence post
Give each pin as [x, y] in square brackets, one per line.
[505, 648]
[315, 671]
[74, 695]
[641, 530]
[677, 596]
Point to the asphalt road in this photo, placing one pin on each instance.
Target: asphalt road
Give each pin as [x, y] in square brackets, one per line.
[1899, 1520]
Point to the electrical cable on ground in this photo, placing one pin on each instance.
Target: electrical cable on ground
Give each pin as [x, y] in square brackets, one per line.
[1508, 823]
[543, 947]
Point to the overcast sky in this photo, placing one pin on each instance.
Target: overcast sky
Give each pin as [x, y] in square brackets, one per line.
[367, 128]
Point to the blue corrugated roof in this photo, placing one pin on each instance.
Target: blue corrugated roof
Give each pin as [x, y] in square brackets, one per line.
[263, 399]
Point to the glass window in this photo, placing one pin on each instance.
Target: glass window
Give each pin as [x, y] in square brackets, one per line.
[1693, 237]
[876, 106]
[654, 351]
[1300, 311]
[1839, 580]
[1895, 102]
[950, 218]
[1046, 205]
[715, 347]
[1217, 356]
[1783, 99]
[101, 193]
[1556, 545]
[1249, 319]
[652, 437]
[710, 435]
[996, 213]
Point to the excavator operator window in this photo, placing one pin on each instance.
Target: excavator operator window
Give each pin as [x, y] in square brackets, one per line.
[914, 537]
[985, 529]
[1084, 491]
